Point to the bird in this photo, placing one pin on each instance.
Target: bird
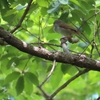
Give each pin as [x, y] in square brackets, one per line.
[63, 28]
[66, 30]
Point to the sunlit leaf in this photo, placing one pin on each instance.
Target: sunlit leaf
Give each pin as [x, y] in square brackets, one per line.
[43, 11]
[54, 41]
[37, 97]
[42, 3]
[30, 23]
[10, 12]
[63, 1]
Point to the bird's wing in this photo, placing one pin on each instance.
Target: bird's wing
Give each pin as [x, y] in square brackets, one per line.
[66, 26]
[78, 34]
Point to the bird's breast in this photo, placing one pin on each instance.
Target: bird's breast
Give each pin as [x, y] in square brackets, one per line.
[63, 31]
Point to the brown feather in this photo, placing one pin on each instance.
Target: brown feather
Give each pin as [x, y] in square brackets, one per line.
[66, 26]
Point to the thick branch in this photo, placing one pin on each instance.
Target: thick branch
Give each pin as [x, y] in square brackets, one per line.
[77, 59]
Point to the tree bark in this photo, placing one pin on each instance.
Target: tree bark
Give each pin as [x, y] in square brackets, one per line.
[78, 60]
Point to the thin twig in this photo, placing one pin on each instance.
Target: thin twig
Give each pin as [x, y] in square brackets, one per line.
[45, 43]
[96, 48]
[40, 86]
[44, 93]
[68, 82]
[22, 18]
[91, 51]
[33, 34]
[85, 22]
[52, 70]
[89, 18]
[95, 33]
[81, 35]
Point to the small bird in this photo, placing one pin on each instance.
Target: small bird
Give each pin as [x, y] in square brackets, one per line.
[66, 30]
[63, 28]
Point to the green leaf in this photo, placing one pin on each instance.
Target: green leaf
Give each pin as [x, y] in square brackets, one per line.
[65, 68]
[86, 28]
[56, 77]
[85, 5]
[63, 2]
[7, 18]
[72, 70]
[77, 14]
[11, 50]
[75, 2]
[37, 97]
[12, 76]
[95, 80]
[64, 16]
[54, 7]
[20, 85]
[52, 35]
[10, 12]
[30, 23]
[23, 2]
[28, 86]
[32, 78]
[11, 61]
[6, 56]
[4, 4]
[54, 41]
[42, 3]
[11, 1]
[43, 11]
[83, 45]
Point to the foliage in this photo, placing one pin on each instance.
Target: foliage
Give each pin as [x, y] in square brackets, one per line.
[22, 75]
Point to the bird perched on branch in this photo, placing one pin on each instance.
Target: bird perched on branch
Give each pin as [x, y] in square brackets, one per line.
[67, 31]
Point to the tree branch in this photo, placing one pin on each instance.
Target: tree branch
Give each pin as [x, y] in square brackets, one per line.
[22, 18]
[79, 60]
[52, 70]
[68, 82]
